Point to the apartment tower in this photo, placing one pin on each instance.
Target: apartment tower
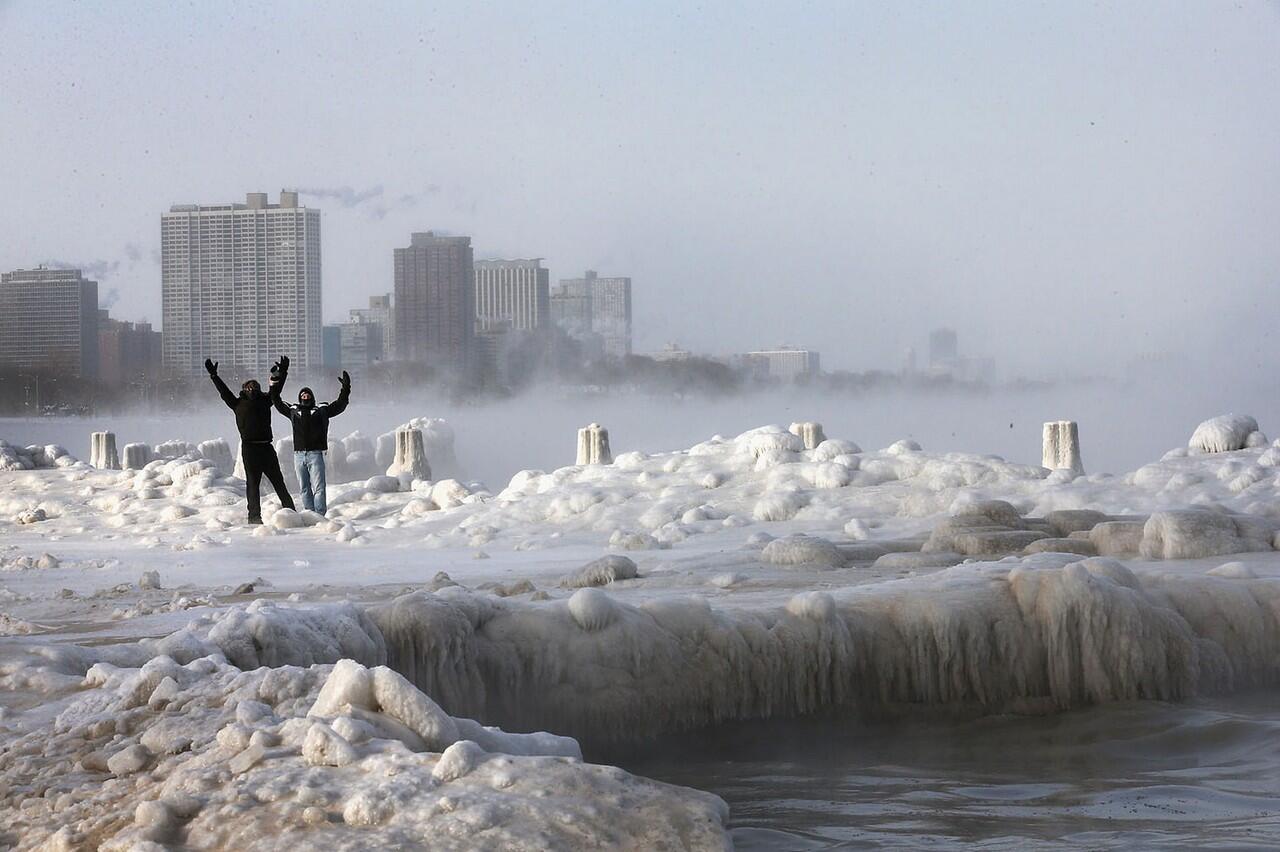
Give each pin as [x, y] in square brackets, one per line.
[241, 285]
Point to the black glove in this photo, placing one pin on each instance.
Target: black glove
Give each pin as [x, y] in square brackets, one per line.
[345, 380]
[211, 366]
[284, 363]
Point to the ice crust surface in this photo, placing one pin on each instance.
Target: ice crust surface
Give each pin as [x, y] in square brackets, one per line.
[335, 681]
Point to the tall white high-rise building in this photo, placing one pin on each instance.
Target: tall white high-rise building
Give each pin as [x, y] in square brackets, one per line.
[513, 294]
[241, 285]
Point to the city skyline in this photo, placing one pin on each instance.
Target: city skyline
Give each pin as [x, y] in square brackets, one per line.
[938, 186]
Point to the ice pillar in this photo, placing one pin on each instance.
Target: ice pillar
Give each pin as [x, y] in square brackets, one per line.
[593, 445]
[411, 456]
[102, 451]
[136, 456]
[809, 432]
[1062, 446]
[218, 451]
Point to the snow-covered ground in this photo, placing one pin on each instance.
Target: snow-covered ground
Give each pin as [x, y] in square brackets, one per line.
[172, 675]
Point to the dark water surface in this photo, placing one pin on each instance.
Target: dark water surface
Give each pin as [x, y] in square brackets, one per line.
[1138, 775]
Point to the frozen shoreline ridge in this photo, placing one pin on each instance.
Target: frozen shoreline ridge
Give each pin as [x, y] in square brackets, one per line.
[747, 578]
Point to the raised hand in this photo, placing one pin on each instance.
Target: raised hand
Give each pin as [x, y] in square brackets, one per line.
[211, 366]
[284, 363]
[345, 380]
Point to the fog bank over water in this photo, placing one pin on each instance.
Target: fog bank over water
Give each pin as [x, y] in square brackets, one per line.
[1121, 426]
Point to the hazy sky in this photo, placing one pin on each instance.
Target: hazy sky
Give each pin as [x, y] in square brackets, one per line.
[1058, 181]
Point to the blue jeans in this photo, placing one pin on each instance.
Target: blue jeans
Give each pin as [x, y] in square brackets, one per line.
[309, 466]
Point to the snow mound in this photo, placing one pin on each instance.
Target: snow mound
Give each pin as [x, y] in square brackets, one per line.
[1226, 433]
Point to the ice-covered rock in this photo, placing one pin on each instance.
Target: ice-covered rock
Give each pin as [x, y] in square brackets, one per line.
[600, 572]
[1194, 534]
[801, 549]
[593, 445]
[1226, 433]
[1061, 447]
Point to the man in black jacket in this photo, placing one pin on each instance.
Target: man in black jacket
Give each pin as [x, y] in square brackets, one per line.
[311, 439]
[253, 419]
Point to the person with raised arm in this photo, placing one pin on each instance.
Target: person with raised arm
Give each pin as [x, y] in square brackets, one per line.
[311, 439]
[253, 419]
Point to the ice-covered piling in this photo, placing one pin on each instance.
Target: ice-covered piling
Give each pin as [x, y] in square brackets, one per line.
[411, 456]
[593, 445]
[809, 432]
[136, 456]
[218, 451]
[102, 451]
[1062, 446]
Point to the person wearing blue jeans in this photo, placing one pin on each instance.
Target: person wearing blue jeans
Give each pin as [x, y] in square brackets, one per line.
[311, 439]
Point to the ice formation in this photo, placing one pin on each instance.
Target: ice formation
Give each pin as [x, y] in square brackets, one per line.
[136, 456]
[204, 755]
[1226, 433]
[411, 456]
[593, 445]
[1062, 447]
[808, 432]
[102, 451]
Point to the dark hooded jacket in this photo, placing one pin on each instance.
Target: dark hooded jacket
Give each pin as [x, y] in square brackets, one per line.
[311, 422]
[253, 410]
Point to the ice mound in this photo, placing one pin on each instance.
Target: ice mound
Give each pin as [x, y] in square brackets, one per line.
[1193, 534]
[1226, 433]
[205, 755]
[600, 572]
[13, 458]
[801, 549]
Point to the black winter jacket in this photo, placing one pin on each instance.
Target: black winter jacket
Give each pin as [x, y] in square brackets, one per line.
[311, 423]
[253, 412]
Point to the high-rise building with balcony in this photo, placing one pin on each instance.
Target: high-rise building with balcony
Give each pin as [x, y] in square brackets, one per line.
[435, 297]
[241, 285]
[49, 322]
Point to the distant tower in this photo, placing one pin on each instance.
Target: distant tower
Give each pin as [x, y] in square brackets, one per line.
[944, 351]
[435, 302]
[592, 305]
[515, 294]
[49, 321]
[240, 283]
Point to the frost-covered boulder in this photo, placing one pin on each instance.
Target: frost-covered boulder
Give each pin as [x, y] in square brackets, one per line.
[601, 572]
[593, 445]
[833, 448]
[1226, 433]
[1118, 537]
[174, 449]
[801, 549]
[1195, 533]
[985, 528]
